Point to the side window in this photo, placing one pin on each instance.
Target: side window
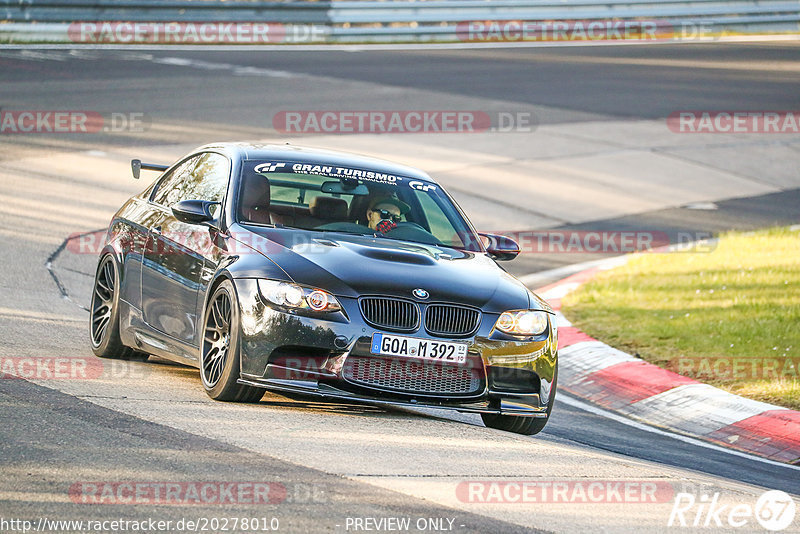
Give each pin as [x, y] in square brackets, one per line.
[208, 180]
[168, 190]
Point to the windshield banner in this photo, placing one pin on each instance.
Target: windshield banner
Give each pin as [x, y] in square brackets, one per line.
[335, 171]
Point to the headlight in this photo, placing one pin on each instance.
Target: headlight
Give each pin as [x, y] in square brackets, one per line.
[294, 296]
[522, 322]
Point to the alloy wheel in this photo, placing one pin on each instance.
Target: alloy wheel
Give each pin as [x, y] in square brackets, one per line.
[103, 300]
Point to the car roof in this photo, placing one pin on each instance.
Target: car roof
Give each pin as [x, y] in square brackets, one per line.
[287, 152]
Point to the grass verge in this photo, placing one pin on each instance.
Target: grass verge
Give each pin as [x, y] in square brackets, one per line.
[730, 317]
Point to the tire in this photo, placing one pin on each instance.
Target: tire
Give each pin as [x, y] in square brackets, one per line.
[219, 351]
[104, 314]
[517, 424]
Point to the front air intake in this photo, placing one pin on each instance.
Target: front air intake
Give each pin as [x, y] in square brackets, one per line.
[413, 377]
[390, 314]
[451, 321]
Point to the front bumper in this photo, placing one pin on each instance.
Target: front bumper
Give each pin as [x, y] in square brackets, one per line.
[288, 352]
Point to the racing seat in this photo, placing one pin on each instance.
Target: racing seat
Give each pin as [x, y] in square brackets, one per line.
[254, 199]
[358, 209]
[328, 209]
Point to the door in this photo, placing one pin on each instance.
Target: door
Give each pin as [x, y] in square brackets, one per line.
[172, 269]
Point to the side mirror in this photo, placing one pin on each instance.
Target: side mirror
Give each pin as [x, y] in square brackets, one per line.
[194, 211]
[500, 247]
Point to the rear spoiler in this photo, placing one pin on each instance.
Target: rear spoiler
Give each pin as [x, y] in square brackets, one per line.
[137, 166]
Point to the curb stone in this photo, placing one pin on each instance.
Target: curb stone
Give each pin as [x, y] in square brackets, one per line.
[593, 371]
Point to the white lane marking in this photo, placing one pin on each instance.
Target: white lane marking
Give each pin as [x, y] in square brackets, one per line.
[42, 56]
[702, 206]
[237, 70]
[240, 70]
[78, 53]
[179, 61]
[575, 403]
[134, 56]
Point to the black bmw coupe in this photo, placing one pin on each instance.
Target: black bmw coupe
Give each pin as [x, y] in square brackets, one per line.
[321, 273]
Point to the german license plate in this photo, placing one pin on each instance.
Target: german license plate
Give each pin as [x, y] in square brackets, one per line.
[424, 349]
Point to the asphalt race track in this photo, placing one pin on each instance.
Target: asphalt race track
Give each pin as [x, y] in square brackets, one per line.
[598, 156]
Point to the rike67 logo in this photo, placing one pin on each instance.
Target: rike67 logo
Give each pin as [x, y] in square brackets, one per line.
[774, 510]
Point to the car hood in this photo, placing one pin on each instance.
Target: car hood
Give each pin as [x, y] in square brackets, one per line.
[352, 266]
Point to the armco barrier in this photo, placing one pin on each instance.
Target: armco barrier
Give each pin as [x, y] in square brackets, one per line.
[397, 21]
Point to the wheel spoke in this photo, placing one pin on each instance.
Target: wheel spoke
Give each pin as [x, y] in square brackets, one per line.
[109, 272]
[226, 312]
[219, 364]
[101, 329]
[215, 339]
[215, 312]
[102, 289]
[210, 375]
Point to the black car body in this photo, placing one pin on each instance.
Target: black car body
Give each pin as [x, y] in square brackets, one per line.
[255, 264]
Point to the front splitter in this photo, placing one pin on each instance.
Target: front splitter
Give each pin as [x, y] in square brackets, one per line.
[526, 405]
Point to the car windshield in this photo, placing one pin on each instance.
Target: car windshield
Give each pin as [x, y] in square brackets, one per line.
[357, 201]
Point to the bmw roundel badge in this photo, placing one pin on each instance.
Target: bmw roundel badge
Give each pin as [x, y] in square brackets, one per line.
[420, 294]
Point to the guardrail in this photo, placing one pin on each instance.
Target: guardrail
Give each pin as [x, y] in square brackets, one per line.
[395, 21]
[170, 10]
